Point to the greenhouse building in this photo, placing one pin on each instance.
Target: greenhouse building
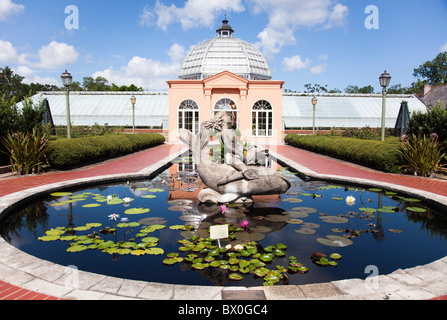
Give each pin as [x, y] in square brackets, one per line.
[226, 73]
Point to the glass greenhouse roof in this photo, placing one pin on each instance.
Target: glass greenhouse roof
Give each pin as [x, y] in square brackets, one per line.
[152, 109]
[343, 110]
[113, 108]
[225, 52]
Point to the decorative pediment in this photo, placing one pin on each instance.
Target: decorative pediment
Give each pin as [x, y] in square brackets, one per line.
[225, 79]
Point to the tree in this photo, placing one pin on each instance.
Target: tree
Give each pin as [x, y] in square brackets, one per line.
[98, 84]
[10, 84]
[435, 71]
[356, 89]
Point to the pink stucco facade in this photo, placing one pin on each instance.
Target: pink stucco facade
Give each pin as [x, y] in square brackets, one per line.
[244, 93]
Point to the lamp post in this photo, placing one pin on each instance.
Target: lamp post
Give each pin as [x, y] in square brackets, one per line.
[314, 103]
[66, 81]
[384, 79]
[133, 100]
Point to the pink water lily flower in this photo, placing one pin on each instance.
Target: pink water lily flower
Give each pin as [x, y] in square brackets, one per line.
[244, 224]
[223, 208]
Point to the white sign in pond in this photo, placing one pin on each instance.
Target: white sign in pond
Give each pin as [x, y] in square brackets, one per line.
[219, 232]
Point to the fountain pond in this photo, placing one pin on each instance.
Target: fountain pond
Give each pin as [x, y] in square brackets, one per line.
[156, 231]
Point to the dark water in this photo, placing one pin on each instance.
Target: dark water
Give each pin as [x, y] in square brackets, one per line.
[395, 238]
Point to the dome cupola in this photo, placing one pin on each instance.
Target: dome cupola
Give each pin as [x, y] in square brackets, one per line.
[225, 52]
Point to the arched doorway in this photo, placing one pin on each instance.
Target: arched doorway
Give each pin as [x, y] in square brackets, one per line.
[228, 105]
[262, 119]
[188, 116]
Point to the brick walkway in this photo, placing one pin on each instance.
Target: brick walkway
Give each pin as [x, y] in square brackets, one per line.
[136, 162]
[328, 166]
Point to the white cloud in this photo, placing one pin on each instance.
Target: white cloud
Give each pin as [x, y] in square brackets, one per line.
[195, 13]
[443, 48]
[318, 69]
[31, 77]
[53, 56]
[9, 8]
[56, 55]
[295, 63]
[8, 53]
[176, 52]
[286, 16]
[147, 73]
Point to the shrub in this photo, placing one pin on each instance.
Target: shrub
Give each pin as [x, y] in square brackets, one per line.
[27, 151]
[422, 155]
[434, 121]
[70, 153]
[370, 153]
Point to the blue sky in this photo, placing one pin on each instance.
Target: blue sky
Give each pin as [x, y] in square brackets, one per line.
[144, 42]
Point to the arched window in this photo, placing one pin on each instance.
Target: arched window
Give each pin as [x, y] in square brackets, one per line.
[188, 116]
[262, 119]
[228, 105]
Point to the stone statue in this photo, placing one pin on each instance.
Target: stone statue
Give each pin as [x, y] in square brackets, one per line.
[237, 177]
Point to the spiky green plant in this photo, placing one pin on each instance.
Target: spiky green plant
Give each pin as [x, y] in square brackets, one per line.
[422, 155]
[27, 151]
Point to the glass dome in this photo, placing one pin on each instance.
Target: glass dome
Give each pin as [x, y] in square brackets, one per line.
[225, 52]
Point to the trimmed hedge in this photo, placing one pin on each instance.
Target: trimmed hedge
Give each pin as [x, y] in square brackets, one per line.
[68, 154]
[369, 153]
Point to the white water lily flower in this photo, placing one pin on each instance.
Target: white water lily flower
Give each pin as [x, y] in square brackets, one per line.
[238, 247]
[109, 197]
[114, 216]
[127, 199]
[350, 200]
[228, 247]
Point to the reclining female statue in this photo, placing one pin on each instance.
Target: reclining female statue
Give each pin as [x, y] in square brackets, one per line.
[238, 176]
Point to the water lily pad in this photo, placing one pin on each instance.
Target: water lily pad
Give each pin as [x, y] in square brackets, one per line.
[115, 201]
[334, 219]
[77, 248]
[180, 202]
[305, 231]
[276, 218]
[177, 227]
[262, 229]
[93, 224]
[235, 276]
[310, 225]
[152, 220]
[67, 238]
[368, 210]
[335, 256]
[49, 238]
[54, 232]
[375, 189]
[180, 208]
[249, 236]
[335, 241]
[82, 228]
[137, 210]
[154, 251]
[304, 209]
[61, 194]
[91, 205]
[199, 266]
[294, 221]
[150, 239]
[296, 214]
[266, 257]
[128, 245]
[148, 196]
[138, 252]
[416, 209]
[292, 200]
[395, 230]
[155, 190]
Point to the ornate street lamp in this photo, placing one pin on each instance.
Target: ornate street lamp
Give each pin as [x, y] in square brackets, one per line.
[133, 100]
[314, 103]
[66, 81]
[384, 79]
